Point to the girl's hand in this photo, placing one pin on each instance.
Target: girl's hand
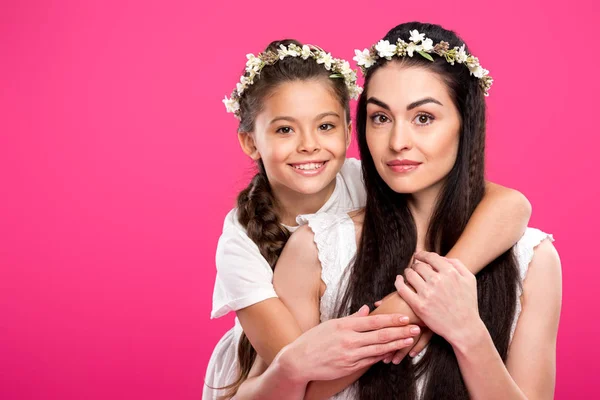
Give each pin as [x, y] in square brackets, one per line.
[422, 342]
[340, 347]
[446, 294]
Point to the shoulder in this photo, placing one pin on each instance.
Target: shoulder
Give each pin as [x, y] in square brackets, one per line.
[301, 246]
[542, 278]
[545, 266]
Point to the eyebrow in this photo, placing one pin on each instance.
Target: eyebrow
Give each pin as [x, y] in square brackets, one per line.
[414, 104]
[318, 117]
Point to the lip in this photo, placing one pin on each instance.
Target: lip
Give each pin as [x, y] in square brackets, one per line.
[309, 172]
[403, 166]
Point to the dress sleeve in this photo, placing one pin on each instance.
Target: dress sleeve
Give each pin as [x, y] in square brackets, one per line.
[244, 277]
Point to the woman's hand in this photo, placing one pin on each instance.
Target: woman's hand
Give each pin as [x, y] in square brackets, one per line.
[340, 347]
[446, 294]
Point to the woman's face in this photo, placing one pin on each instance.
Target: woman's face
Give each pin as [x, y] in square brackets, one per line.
[413, 127]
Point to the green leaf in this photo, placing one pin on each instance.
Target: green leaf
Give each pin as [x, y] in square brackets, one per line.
[425, 55]
[336, 76]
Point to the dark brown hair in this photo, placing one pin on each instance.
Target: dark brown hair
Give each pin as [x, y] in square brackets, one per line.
[257, 207]
[389, 235]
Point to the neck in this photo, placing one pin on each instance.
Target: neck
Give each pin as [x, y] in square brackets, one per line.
[422, 204]
[291, 203]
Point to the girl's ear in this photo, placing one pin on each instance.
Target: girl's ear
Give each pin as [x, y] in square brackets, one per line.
[248, 145]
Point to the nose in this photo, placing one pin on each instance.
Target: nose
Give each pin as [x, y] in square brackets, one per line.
[400, 138]
[309, 142]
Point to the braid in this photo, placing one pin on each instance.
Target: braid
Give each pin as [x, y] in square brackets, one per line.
[257, 212]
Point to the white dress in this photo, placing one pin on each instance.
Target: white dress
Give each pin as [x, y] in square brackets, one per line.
[335, 238]
[245, 278]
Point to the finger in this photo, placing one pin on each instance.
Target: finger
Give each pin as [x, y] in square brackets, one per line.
[387, 335]
[421, 343]
[388, 358]
[415, 280]
[362, 312]
[438, 262]
[383, 349]
[378, 303]
[425, 270]
[460, 267]
[399, 356]
[406, 293]
[366, 362]
[375, 322]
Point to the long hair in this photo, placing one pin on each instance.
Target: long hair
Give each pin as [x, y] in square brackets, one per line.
[389, 235]
[258, 210]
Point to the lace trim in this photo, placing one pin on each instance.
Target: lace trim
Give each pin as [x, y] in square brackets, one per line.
[331, 244]
[524, 251]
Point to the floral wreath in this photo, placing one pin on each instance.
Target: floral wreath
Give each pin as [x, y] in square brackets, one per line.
[255, 64]
[424, 46]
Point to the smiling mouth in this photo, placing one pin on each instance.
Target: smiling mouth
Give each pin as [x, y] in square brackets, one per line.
[309, 166]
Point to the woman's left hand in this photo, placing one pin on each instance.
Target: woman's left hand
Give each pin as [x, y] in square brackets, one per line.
[446, 294]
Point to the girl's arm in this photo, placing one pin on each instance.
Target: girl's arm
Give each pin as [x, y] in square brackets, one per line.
[502, 211]
[326, 351]
[497, 223]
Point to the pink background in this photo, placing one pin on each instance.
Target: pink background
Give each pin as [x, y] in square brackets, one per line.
[118, 164]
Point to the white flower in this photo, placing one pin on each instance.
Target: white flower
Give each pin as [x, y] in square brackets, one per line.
[231, 105]
[325, 59]
[476, 71]
[240, 87]
[346, 70]
[416, 37]
[363, 58]
[253, 62]
[305, 52]
[385, 49]
[284, 52]
[354, 91]
[427, 44]
[461, 55]
[412, 48]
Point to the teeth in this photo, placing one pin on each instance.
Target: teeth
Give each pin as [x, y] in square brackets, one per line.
[309, 166]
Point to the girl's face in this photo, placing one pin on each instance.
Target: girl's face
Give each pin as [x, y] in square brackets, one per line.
[413, 127]
[301, 136]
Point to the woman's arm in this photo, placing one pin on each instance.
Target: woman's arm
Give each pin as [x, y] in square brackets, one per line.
[446, 299]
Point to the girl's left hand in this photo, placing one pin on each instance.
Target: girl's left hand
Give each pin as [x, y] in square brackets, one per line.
[446, 294]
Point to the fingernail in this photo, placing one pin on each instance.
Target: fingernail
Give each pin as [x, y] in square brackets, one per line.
[409, 340]
[404, 319]
[396, 362]
[412, 354]
[415, 329]
[386, 361]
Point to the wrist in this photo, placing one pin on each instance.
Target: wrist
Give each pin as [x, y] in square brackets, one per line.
[287, 368]
[470, 337]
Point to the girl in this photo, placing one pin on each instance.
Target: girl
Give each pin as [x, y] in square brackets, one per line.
[421, 130]
[294, 121]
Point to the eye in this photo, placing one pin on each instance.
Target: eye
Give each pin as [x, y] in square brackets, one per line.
[423, 119]
[379, 119]
[326, 127]
[285, 130]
